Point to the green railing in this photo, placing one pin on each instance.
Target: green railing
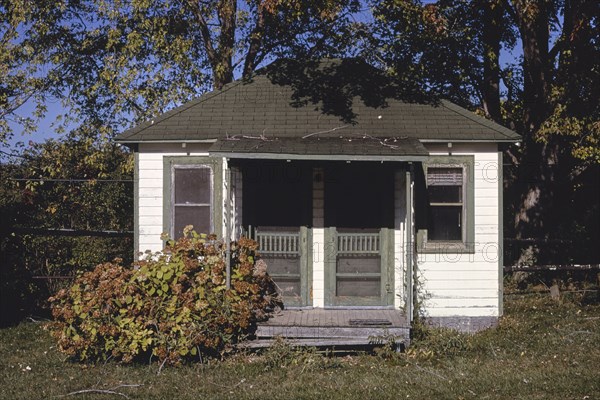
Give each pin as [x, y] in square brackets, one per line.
[358, 243]
[278, 243]
[287, 255]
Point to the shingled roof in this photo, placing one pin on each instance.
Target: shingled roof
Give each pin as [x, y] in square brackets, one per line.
[328, 99]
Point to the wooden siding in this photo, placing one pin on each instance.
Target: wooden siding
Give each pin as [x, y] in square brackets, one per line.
[454, 284]
[149, 224]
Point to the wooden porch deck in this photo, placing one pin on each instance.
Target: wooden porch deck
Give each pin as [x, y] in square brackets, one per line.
[334, 327]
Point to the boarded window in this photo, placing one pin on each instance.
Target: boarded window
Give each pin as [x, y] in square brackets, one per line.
[445, 187]
[192, 199]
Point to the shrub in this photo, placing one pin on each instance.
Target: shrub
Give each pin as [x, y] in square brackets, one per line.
[173, 305]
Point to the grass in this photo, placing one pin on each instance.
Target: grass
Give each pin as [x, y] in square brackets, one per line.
[542, 349]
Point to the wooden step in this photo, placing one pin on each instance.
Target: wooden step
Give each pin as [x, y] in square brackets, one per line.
[321, 332]
[342, 344]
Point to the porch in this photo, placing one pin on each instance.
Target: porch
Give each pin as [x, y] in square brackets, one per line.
[336, 328]
[334, 234]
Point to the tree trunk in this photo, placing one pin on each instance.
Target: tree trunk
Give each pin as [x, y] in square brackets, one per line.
[222, 67]
[492, 12]
[532, 20]
[256, 40]
[535, 178]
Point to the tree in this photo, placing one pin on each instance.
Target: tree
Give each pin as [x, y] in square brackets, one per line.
[552, 95]
[559, 113]
[113, 63]
[76, 184]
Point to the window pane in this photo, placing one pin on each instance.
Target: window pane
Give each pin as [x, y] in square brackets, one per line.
[199, 216]
[445, 223]
[445, 194]
[192, 186]
[444, 176]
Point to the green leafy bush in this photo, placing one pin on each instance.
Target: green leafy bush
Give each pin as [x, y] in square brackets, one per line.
[173, 305]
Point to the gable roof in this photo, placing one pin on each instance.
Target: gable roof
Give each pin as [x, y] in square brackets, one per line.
[331, 99]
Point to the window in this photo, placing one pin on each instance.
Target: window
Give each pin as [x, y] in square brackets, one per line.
[192, 194]
[449, 207]
[192, 199]
[445, 187]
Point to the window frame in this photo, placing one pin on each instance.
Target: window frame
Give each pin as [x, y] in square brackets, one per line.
[467, 243]
[174, 204]
[170, 163]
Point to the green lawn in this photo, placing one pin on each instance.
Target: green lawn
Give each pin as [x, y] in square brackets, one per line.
[541, 350]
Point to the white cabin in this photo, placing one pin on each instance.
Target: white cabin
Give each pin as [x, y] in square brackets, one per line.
[361, 197]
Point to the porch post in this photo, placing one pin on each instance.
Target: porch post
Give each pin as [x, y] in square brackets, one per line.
[317, 290]
[409, 243]
[399, 239]
[227, 235]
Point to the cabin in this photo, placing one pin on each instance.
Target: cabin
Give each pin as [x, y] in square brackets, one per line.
[370, 202]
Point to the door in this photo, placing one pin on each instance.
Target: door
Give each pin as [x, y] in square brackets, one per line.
[359, 267]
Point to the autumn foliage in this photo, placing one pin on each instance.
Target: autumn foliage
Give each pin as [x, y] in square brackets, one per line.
[172, 306]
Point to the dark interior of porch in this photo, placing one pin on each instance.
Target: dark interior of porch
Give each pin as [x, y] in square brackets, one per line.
[279, 194]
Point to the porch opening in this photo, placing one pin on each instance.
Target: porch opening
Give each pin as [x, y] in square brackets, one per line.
[284, 203]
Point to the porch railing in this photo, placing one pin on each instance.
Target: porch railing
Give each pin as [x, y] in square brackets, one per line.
[358, 243]
[278, 243]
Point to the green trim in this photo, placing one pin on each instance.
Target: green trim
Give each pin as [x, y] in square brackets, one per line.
[500, 235]
[216, 164]
[329, 258]
[386, 259]
[305, 264]
[318, 157]
[390, 286]
[467, 246]
[136, 204]
[305, 259]
[408, 251]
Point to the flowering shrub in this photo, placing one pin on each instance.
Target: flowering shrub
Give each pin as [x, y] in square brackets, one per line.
[173, 305]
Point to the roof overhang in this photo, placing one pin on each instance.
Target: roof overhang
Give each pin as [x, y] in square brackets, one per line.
[129, 142]
[338, 149]
[471, 140]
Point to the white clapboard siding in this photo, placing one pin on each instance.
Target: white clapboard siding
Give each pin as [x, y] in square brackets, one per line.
[468, 284]
[150, 201]
[456, 267]
[152, 230]
[151, 182]
[462, 302]
[150, 192]
[432, 286]
[445, 293]
[453, 276]
[485, 211]
[150, 220]
[485, 194]
[153, 211]
[470, 311]
[151, 164]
